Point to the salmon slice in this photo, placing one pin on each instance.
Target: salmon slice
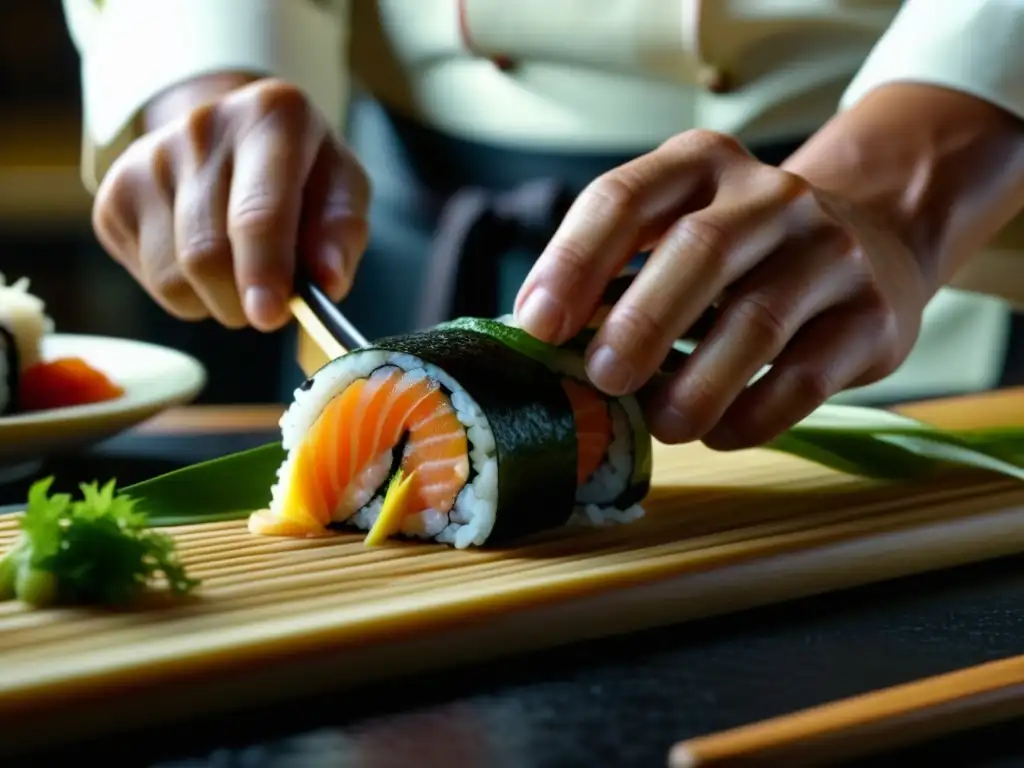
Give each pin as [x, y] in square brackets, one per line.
[347, 455]
[593, 427]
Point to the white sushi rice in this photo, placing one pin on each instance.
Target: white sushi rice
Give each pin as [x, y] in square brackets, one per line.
[471, 519]
[24, 315]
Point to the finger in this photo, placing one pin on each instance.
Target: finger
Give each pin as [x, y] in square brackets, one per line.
[271, 163]
[838, 349]
[133, 221]
[763, 312]
[204, 250]
[607, 223]
[160, 272]
[116, 213]
[334, 229]
[699, 256]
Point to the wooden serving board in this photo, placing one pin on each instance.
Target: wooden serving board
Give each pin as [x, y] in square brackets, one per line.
[276, 618]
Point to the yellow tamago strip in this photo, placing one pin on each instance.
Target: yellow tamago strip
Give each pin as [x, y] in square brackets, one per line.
[392, 511]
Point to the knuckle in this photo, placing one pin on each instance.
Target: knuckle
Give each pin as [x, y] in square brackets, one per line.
[787, 186]
[763, 316]
[161, 168]
[256, 214]
[204, 255]
[612, 195]
[848, 251]
[706, 237]
[200, 129]
[173, 287]
[283, 100]
[569, 262]
[632, 326]
[811, 386]
[704, 141]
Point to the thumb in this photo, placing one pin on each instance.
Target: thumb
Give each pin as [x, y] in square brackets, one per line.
[334, 229]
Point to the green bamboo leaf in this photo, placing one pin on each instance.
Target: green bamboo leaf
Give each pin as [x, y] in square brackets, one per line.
[881, 444]
[226, 488]
[1007, 442]
[860, 441]
[942, 449]
[832, 418]
[860, 454]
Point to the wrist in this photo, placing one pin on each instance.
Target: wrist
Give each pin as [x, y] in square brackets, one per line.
[182, 98]
[942, 170]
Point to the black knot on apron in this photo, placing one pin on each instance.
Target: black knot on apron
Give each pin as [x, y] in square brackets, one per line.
[475, 229]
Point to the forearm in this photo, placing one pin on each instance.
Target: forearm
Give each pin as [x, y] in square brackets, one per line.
[944, 169]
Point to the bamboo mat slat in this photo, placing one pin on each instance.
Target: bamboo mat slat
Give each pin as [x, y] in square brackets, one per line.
[275, 617]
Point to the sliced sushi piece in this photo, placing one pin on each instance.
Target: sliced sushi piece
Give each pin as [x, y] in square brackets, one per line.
[27, 382]
[64, 382]
[9, 372]
[615, 463]
[23, 323]
[447, 434]
[24, 316]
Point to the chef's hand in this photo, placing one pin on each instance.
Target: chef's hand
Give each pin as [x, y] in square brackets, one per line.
[807, 282]
[209, 211]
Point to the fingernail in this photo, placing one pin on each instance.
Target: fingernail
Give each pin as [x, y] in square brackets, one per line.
[610, 371]
[263, 306]
[542, 316]
[722, 438]
[669, 425]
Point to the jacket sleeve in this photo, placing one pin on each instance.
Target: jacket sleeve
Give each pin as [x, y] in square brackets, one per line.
[975, 47]
[132, 50]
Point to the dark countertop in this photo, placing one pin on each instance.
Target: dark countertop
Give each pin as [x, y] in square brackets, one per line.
[619, 702]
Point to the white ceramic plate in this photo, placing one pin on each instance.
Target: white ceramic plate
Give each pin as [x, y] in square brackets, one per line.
[154, 379]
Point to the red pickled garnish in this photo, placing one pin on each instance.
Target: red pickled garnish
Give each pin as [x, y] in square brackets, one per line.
[62, 383]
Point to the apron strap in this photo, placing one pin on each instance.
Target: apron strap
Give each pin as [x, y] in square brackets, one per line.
[475, 229]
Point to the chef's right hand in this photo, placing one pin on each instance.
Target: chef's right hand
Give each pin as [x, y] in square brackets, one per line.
[210, 210]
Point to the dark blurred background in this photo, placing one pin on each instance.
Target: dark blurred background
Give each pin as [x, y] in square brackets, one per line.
[45, 232]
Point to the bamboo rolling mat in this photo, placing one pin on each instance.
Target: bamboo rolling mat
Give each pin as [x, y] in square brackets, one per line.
[275, 617]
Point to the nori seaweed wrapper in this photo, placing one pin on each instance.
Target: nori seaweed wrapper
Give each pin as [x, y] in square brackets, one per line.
[570, 357]
[9, 382]
[529, 414]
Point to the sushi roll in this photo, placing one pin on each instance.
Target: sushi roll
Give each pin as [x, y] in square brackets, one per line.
[615, 448]
[455, 435]
[447, 435]
[23, 324]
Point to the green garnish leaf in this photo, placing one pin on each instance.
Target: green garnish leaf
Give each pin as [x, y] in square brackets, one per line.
[98, 549]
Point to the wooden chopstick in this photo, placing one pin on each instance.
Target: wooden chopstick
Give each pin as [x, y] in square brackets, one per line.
[893, 717]
[322, 320]
[315, 328]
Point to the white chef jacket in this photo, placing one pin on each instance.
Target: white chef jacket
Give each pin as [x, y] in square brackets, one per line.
[591, 75]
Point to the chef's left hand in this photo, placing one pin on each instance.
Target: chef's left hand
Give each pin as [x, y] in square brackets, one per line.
[809, 283]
